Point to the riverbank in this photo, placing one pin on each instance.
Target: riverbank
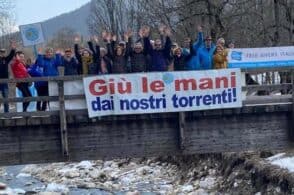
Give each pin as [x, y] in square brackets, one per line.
[246, 173]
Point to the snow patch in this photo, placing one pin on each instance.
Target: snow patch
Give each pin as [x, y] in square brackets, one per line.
[275, 157]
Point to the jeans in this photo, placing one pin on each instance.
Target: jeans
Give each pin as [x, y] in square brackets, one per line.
[4, 92]
[24, 88]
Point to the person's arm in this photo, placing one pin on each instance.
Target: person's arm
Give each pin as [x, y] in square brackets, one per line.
[110, 51]
[197, 44]
[129, 50]
[10, 56]
[91, 47]
[77, 53]
[167, 47]
[147, 46]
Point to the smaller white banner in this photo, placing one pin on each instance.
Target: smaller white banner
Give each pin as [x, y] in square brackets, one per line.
[261, 57]
[31, 34]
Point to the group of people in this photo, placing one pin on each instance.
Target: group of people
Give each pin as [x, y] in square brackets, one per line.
[118, 57]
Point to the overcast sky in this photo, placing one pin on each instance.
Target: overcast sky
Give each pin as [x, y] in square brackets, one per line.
[32, 11]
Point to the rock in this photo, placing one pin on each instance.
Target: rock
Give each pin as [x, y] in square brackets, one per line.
[199, 192]
[30, 169]
[208, 183]
[29, 183]
[133, 193]
[7, 191]
[53, 187]
[86, 185]
[19, 191]
[31, 192]
[23, 175]
[143, 170]
[84, 165]
[94, 173]
[2, 186]
[50, 193]
[187, 188]
[72, 174]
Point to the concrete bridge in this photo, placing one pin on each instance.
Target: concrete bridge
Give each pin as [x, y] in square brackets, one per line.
[263, 123]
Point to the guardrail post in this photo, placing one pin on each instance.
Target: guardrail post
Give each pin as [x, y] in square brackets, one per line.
[182, 124]
[63, 123]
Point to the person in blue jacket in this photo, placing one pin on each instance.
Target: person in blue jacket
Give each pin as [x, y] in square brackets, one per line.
[160, 55]
[41, 86]
[49, 62]
[49, 65]
[205, 54]
[193, 64]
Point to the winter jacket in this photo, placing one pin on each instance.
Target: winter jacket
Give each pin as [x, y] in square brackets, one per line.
[160, 59]
[4, 61]
[70, 66]
[37, 71]
[83, 61]
[19, 70]
[205, 57]
[180, 62]
[192, 64]
[220, 60]
[49, 65]
[119, 63]
[139, 61]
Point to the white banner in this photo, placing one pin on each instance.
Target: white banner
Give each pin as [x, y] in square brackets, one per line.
[261, 57]
[162, 92]
[31, 34]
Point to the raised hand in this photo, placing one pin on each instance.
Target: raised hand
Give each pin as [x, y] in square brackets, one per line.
[114, 37]
[13, 44]
[161, 29]
[96, 39]
[167, 31]
[104, 35]
[40, 50]
[199, 28]
[77, 39]
[108, 37]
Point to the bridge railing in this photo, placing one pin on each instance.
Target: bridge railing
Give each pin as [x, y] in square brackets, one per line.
[254, 93]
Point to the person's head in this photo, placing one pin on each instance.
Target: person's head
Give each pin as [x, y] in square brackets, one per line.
[119, 50]
[2, 52]
[221, 41]
[178, 52]
[29, 62]
[122, 44]
[231, 45]
[187, 42]
[138, 47]
[157, 44]
[19, 55]
[86, 53]
[103, 52]
[49, 52]
[174, 46]
[219, 48]
[208, 41]
[68, 53]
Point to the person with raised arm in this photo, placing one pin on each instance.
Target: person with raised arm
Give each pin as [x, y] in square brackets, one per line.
[84, 57]
[138, 56]
[4, 73]
[193, 63]
[20, 72]
[159, 55]
[117, 54]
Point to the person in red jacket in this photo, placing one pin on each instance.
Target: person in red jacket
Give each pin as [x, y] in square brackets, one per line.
[20, 72]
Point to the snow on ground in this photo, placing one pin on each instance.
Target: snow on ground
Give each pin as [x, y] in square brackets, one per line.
[285, 162]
